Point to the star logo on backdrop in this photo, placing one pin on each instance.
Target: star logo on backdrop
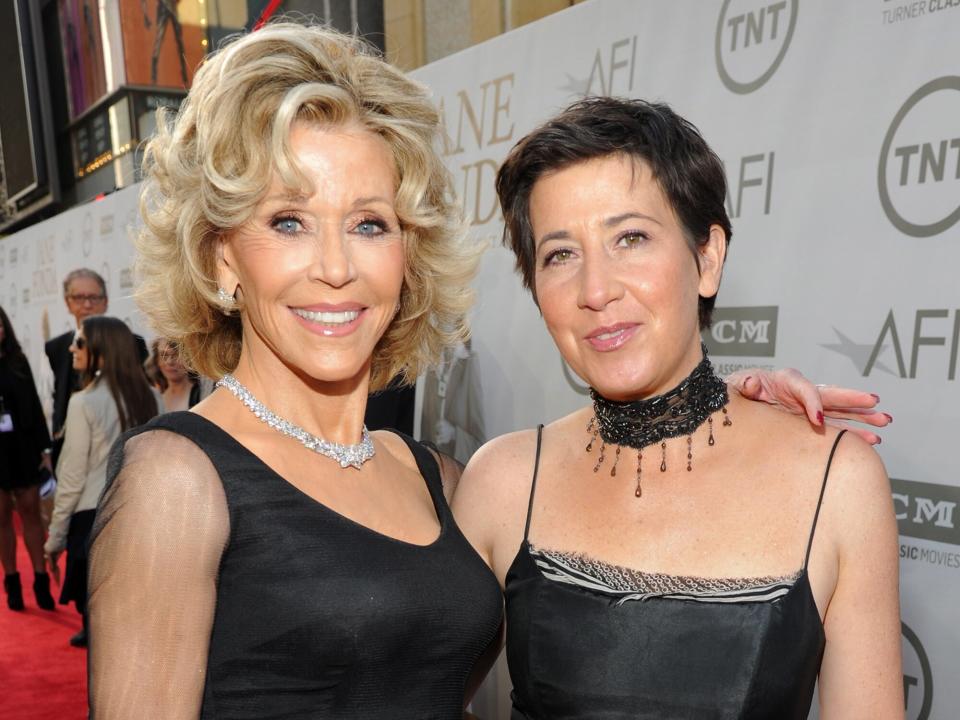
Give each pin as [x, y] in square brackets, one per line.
[576, 86]
[859, 353]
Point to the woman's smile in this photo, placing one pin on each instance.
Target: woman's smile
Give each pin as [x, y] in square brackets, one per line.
[331, 320]
[612, 337]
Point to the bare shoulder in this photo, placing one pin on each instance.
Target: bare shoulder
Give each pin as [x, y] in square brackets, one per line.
[857, 499]
[491, 500]
[499, 464]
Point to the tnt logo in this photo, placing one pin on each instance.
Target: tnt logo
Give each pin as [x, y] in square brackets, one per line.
[742, 332]
[917, 676]
[919, 170]
[752, 39]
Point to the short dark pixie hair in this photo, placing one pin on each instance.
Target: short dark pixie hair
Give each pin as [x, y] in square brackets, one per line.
[689, 173]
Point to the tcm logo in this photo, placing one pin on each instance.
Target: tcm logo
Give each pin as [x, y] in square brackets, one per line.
[743, 332]
[919, 171]
[917, 676]
[752, 39]
[927, 511]
[897, 348]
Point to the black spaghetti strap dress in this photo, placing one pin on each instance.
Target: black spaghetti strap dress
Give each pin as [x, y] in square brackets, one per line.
[587, 640]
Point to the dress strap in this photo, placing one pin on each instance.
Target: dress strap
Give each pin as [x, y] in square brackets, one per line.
[823, 488]
[533, 483]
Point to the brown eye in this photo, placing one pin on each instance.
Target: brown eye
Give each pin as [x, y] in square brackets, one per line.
[632, 239]
[557, 257]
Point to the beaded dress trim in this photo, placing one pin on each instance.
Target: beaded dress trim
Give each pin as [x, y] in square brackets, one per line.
[628, 584]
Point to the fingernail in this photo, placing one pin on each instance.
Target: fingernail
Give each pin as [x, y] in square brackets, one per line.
[747, 379]
[876, 398]
[879, 440]
[819, 417]
[889, 418]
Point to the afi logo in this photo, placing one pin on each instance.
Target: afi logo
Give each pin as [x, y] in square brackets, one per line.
[919, 171]
[752, 40]
[898, 353]
[742, 331]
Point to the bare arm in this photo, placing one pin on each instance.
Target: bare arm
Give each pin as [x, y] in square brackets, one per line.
[861, 674]
[161, 529]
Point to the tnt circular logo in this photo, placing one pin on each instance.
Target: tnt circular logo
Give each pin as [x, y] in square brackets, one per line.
[917, 676]
[919, 172]
[752, 39]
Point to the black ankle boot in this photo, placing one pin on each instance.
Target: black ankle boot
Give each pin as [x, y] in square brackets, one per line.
[41, 591]
[11, 585]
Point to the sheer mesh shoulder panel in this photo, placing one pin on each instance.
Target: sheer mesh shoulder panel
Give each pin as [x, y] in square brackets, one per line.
[450, 469]
[161, 529]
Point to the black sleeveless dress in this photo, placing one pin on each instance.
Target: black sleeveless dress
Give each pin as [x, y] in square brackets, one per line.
[318, 616]
[590, 640]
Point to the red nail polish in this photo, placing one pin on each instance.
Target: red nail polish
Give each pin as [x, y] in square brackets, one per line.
[889, 417]
[876, 398]
[819, 417]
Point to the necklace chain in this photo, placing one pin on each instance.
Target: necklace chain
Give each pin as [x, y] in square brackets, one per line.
[347, 455]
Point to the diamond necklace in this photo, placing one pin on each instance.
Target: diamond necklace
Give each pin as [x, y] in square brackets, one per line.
[347, 455]
[638, 424]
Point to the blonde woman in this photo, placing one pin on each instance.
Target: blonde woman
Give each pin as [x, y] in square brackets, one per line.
[263, 555]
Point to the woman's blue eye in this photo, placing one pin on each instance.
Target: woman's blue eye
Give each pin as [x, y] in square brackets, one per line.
[370, 227]
[287, 225]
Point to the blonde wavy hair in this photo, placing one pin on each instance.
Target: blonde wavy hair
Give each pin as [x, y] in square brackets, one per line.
[206, 169]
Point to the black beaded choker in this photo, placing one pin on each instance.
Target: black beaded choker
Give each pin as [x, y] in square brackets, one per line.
[638, 424]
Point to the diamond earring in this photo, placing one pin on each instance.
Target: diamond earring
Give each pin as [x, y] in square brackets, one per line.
[226, 300]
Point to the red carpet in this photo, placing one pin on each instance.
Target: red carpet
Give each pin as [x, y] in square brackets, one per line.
[41, 676]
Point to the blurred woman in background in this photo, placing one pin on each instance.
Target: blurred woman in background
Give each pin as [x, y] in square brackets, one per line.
[115, 397]
[180, 389]
[24, 463]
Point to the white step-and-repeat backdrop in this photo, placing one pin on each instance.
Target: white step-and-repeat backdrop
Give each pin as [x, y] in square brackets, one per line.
[839, 125]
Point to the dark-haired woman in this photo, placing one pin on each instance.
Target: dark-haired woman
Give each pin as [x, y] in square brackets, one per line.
[24, 442]
[671, 550]
[180, 389]
[115, 397]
